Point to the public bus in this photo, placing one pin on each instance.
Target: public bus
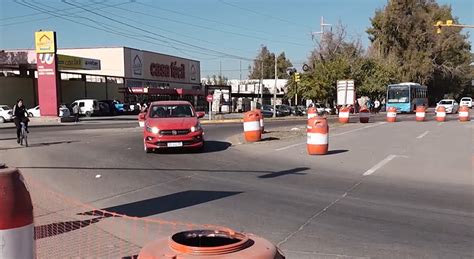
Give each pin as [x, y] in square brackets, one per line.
[405, 97]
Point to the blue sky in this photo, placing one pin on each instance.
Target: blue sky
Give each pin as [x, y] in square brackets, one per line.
[218, 28]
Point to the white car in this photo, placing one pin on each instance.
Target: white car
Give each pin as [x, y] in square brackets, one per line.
[6, 113]
[87, 106]
[450, 105]
[63, 111]
[467, 101]
[321, 109]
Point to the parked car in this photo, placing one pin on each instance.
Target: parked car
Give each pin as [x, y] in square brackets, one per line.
[87, 107]
[6, 113]
[321, 109]
[466, 101]
[267, 111]
[450, 105]
[172, 124]
[296, 111]
[302, 109]
[284, 110]
[63, 111]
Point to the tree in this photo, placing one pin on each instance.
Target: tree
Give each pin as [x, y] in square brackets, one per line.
[216, 80]
[404, 31]
[266, 59]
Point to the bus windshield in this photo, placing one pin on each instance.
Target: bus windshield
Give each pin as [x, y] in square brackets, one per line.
[398, 94]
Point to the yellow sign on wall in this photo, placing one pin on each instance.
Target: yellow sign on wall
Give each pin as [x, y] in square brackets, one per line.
[45, 42]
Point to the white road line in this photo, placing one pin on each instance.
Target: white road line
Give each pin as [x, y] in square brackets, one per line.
[423, 134]
[379, 165]
[290, 146]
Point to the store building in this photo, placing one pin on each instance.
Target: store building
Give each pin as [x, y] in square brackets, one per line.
[122, 73]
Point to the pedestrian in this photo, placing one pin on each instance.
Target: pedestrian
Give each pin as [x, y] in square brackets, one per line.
[377, 106]
[75, 111]
[356, 107]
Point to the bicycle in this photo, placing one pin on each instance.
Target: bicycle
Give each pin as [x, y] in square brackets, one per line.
[23, 134]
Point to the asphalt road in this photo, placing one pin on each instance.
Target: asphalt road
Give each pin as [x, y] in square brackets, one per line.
[385, 190]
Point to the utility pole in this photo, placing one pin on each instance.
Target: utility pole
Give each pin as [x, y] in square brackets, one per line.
[321, 32]
[261, 82]
[275, 88]
[240, 78]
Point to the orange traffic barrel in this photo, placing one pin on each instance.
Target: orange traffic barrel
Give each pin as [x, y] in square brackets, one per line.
[317, 136]
[16, 216]
[344, 115]
[420, 113]
[312, 112]
[391, 114]
[217, 244]
[141, 119]
[260, 114]
[464, 113]
[252, 130]
[440, 113]
[364, 115]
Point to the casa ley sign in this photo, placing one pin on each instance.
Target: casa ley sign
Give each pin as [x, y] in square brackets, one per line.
[173, 70]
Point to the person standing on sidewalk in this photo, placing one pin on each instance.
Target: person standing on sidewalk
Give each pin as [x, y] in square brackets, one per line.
[377, 106]
[75, 111]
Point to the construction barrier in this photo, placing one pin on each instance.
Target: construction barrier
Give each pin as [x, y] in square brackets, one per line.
[344, 115]
[312, 112]
[364, 115]
[141, 119]
[391, 114]
[252, 132]
[440, 113]
[16, 217]
[216, 244]
[262, 126]
[420, 113]
[317, 136]
[464, 113]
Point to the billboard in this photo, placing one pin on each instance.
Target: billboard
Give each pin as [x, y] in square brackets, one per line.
[159, 67]
[77, 63]
[45, 42]
[47, 84]
[345, 92]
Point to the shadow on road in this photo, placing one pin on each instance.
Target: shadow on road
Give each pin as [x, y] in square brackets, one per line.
[171, 202]
[337, 151]
[285, 172]
[59, 228]
[209, 147]
[42, 144]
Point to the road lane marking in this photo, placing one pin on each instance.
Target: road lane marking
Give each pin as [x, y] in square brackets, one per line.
[423, 134]
[440, 123]
[334, 135]
[379, 165]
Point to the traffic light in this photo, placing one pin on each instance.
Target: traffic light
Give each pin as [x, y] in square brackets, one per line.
[449, 22]
[439, 24]
[297, 77]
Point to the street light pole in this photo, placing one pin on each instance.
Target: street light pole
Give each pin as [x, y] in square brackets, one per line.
[274, 88]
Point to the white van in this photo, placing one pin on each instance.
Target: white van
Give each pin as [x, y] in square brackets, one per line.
[87, 106]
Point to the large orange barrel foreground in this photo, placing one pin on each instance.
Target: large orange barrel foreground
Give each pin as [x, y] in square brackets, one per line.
[260, 114]
[440, 113]
[420, 113]
[215, 244]
[317, 136]
[16, 217]
[312, 112]
[252, 130]
[344, 115]
[464, 113]
[391, 114]
[364, 115]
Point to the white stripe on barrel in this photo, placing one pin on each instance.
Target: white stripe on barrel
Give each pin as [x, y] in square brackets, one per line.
[317, 139]
[391, 114]
[440, 114]
[17, 242]
[343, 114]
[420, 114]
[252, 126]
[463, 114]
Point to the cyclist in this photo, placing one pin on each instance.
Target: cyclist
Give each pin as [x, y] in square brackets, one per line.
[20, 115]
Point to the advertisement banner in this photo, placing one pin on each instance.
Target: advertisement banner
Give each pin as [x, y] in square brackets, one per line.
[77, 63]
[45, 42]
[47, 84]
[159, 67]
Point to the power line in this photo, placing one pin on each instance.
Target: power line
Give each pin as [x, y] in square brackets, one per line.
[156, 34]
[260, 13]
[213, 29]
